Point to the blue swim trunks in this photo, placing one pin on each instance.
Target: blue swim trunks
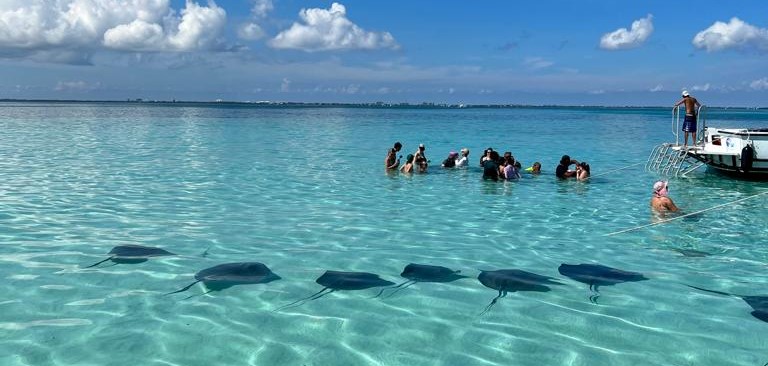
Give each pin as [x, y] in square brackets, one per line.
[689, 124]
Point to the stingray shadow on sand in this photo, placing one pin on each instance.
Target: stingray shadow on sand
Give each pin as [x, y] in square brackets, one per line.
[596, 275]
[759, 304]
[341, 281]
[226, 275]
[513, 280]
[414, 273]
[132, 254]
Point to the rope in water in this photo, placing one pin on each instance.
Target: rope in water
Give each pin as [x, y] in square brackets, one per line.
[686, 215]
[616, 170]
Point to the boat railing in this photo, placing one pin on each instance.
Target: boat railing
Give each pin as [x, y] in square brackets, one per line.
[678, 116]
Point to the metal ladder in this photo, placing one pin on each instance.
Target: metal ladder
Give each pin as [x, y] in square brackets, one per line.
[670, 162]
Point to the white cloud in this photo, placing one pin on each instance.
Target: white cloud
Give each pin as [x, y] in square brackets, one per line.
[759, 84]
[597, 92]
[734, 34]
[253, 31]
[199, 28]
[623, 38]
[250, 32]
[261, 8]
[657, 88]
[285, 86]
[76, 86]
[138, 35]
[537, 63]
[329, 29]
[704, 87]
[351, 89]
[35, 26]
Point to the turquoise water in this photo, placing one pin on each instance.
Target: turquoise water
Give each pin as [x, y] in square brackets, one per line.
[304, 191]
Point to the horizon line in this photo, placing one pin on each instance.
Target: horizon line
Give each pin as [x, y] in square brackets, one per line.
[378, 104]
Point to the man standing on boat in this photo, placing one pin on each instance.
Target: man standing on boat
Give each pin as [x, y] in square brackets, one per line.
[689, 124]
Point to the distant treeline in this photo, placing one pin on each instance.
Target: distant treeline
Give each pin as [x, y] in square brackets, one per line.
[383, 105]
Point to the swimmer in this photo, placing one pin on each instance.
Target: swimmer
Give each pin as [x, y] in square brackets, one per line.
[534, 169]
[660, 202]
[408, 166]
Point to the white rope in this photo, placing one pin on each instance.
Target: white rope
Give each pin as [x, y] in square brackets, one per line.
[616, 170]
[686, 215]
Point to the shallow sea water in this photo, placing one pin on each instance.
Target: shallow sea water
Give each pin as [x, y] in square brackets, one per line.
[303, 191]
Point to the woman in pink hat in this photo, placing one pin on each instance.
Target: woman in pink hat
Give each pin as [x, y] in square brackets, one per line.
[660, 201]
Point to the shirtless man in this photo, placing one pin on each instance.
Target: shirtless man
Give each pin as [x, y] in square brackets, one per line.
[689, 124]
[391, 162]
[562, 171]
[420, 159]
[660, 202]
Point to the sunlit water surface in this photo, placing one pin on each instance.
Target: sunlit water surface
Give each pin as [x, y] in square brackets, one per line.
[304, 190]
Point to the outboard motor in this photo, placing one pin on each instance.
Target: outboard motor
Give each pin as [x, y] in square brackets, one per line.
[747, 156]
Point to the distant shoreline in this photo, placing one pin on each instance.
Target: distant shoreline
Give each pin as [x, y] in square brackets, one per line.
[375, 105]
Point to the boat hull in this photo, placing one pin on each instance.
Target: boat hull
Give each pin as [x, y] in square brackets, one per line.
[723, 150]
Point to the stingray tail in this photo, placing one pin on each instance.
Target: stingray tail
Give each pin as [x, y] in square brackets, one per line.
[204, 293]
[300, 302]
[712, 291]
[99, 262]
[205, 252]
[183, 289]
[493, 302]
[396, 288]
[595, 294]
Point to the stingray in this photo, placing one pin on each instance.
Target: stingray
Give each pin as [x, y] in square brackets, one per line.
[693, 253]
[512, 280]
[226, 275]
[132, 254]
[424, 273]
[596, 275]
[337, 280]
[759, 304]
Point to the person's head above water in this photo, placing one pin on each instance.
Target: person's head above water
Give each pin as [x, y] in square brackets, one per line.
[409, 158]
[565, 160]
[398, 146]
[660, 188]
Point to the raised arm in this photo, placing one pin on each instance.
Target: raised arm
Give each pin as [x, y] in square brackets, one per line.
[669, 205]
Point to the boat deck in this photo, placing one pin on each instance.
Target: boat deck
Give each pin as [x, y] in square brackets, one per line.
[704, 150]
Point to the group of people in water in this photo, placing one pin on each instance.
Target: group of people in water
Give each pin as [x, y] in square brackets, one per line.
[504, 167]
[495, 166]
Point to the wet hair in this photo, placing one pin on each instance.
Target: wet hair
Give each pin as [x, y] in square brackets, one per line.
[398, 145]
[409, 158]
[584, 166]
[565, 160]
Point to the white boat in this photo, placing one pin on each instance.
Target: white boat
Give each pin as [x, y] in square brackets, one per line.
[742, 152]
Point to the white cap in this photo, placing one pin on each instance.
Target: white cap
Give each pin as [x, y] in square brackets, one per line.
[685, 93]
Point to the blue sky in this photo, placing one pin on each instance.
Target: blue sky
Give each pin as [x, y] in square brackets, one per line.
[497, 52]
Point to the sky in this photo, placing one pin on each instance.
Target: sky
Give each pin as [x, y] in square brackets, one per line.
[569, 52]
